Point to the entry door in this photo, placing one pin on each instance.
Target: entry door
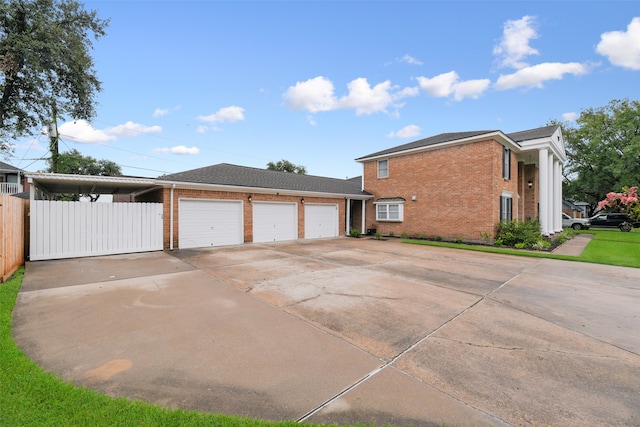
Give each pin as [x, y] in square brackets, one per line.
[320, 221]
[205, 223]
[274, 222]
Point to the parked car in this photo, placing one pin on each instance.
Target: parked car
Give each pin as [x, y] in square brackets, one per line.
[575, 223]
[613, 220]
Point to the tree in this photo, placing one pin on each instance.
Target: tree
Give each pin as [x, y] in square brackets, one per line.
[74, 163]
[287, 166]
[626, 202]
[603, 151]
[45, 66]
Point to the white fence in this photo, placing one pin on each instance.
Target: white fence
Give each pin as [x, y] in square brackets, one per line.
[81, 229]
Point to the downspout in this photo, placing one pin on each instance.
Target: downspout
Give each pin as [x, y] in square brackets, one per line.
[171, 219]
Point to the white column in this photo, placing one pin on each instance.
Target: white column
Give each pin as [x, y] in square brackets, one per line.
[557, 193]
[362, 229]
[543, 193]
[348, 219]
[550, 196]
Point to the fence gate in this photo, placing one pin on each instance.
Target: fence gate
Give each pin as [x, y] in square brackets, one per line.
[80, 229]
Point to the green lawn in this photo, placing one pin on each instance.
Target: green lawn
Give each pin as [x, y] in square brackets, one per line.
[608, 246]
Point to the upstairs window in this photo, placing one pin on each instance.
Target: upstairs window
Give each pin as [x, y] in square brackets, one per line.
[383, 168]
[506, 163]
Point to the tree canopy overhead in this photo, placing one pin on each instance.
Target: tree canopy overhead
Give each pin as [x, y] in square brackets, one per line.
[45, 65]
[603, 152]
[287, 166]
[74, 163]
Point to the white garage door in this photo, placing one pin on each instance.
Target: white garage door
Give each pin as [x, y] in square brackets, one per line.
[204, 223]
[320, 221]
[274, 222]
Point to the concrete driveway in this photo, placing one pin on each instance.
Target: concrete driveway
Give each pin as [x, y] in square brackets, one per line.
[342, 331]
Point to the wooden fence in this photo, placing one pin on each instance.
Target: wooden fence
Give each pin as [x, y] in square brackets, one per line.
[12, 234]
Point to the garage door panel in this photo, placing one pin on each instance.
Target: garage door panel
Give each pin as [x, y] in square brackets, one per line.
[320, 221]
[274, 222]
[205, 223]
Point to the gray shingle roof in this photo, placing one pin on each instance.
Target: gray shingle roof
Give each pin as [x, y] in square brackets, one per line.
[537, 133]
[242, 176]
[6, 167]
[432, 140]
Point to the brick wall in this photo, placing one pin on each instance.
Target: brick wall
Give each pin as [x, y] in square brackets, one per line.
[457, 191]
[247, 207]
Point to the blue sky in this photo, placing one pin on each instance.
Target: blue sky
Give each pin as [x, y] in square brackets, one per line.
[188, 84]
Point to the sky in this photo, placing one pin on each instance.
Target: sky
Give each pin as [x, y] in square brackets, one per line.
[188, 84]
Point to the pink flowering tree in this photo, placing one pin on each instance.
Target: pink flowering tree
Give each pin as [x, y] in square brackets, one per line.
[626, 202]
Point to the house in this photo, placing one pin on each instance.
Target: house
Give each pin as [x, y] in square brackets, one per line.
[454, 185]
[461, 185]
[11, 179]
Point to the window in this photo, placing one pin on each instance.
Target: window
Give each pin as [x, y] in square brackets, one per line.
[383, 168]
[506, 163]
[389, 211]
[506, 205]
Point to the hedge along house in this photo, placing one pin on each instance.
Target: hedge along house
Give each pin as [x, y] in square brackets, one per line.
[461, 185]
[226, 204]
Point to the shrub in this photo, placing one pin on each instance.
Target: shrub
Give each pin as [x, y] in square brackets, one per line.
[354, 232]
[391, 234]
[404, 235]
[439, 238]
[377, 236]
[525, 234]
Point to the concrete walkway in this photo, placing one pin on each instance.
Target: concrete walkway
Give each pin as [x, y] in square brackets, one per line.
[575, 246]
[344, 331]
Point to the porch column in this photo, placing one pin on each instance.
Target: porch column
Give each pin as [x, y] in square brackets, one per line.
[362, 229]
[557, 199]
[348, 219]
[543, 203]
[550, 195]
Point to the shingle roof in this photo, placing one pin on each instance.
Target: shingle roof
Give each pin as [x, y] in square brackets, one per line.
[242, 176]
[537, 133]
[432, 140]
[6, 167]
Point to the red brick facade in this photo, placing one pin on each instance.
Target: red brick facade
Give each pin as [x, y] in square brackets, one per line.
[449, 192]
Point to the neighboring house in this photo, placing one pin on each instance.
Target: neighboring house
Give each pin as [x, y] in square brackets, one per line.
[11, 179]
[461, 185]
[571, 209]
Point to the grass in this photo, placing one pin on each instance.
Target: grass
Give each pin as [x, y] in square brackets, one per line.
[608, 246]
[29, 396]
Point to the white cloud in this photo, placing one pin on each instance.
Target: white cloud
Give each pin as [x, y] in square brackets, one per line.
[226, 114]
[202, 129]
[536, 75]
[313, 95]
[33, 144]
[408, 59]
[407, 92]
[622, 48]
[569, 117]
[440, 86]
[180, 149]
[410, 131]
[514, 44]
[159, 112]
[447, 84]
[132, 129]
[365, 99]
[82, 131]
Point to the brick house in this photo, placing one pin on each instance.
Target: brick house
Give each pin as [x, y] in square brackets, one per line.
[461, 185]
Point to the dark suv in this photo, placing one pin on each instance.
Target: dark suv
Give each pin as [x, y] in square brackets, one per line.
[612, 220]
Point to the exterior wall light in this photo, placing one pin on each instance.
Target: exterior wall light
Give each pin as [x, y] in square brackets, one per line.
[530, 184]
[302, 200]
[249, 198]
